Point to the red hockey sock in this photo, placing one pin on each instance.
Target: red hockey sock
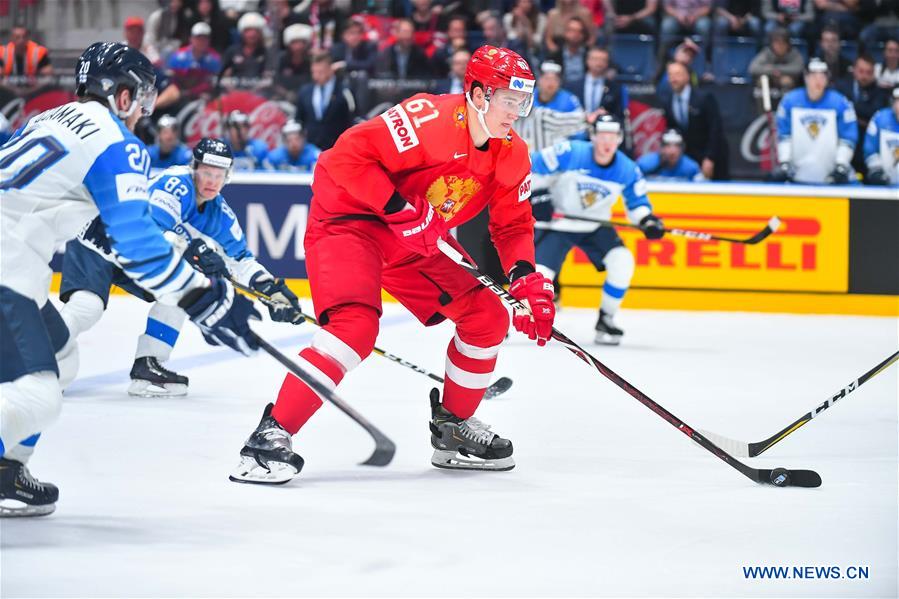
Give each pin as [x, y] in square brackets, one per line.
[468, 372]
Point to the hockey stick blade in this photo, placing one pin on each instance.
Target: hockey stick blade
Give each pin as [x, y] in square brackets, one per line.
[778, 477]
[772, 226]
[750, 450]
[384, 447]
[501, 385]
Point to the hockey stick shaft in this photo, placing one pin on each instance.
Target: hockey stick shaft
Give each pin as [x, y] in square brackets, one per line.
[384, 447]
[759, 447]
[803, 478]
[497, 388]
[769, 115]
[769, 228]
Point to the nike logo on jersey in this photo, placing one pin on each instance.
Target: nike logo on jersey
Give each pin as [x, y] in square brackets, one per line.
[458, 155]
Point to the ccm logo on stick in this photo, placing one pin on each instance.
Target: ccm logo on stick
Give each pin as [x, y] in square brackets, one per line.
[400, 128]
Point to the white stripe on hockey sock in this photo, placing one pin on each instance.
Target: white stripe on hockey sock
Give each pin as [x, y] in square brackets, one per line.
[464, 378]
[473, 351]
[332, 346]
[317, 374]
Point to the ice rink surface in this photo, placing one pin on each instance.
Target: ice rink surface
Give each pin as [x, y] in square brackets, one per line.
[607, 499]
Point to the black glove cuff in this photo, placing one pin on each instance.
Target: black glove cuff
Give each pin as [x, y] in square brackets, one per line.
[522, 268]
[395, 203]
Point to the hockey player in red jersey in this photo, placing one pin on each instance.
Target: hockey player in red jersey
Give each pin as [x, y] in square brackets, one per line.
[383, 196]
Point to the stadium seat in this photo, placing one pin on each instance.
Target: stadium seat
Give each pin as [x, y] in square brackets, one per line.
[634, 56]
[850, 49]
[731, 58]
[802, 46]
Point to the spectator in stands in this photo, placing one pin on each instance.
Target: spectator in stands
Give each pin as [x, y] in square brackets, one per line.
[167, 30]
[882, 145]
[887, 72]
[633, 16]
[209, 12]
[829, 51]
[526, 24]
[280, 15]
[195, 66]
[294, 154]
[167, 90]
[685, 53]
[325, 106]
[134, 37]
[495, 35]
[24, 57]
[249, 153]
[294, 64]
[841, 14]
[550, 93]
[354, 52]
[882, 17]
[670, 163]
[327, 23]
[738, 17]
[796, 16]
[403, 59]
[780, 61]
[597, 10]
[687, 17]
[428, 22]
[453, 83]
[867, 98]
[572, 54]
[456, 39]
[557, 21]
[249, 56]
[596, 90]
[168, 149]
[695, 114]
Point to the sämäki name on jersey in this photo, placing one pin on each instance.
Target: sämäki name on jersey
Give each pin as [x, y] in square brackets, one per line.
[71, 117]
[400, 127]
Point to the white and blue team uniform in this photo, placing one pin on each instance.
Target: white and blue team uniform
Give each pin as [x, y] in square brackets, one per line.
[815, 137]
[280, 160]
[179, 156]
[686, 168]
[89, 267]
[66, 166]
[882, 144]
[580, 187]
[251, 157]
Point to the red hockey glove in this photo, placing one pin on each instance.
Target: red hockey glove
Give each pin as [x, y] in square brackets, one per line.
[417, 226]
[536, 292]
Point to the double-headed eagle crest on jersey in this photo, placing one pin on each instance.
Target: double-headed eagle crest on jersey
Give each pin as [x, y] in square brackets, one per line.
[449, 194]
[459, 116]
[813, 124]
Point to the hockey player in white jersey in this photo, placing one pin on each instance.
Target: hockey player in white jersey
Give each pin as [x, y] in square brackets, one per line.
[186, 203]
[882, 145]
[586, 179]
[816, 132]
[56, 173]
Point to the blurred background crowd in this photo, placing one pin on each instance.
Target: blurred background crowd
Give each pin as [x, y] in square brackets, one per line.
[281, 79]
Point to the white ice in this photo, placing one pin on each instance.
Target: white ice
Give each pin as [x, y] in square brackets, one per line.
[607, 499]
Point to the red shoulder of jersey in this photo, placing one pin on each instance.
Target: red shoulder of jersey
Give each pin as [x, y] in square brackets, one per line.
[513, 161]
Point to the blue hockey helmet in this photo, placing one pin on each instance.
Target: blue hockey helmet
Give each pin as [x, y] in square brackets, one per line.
[107, 67]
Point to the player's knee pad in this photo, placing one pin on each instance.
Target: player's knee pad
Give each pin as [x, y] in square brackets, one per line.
[30, 404]
[485, 321]
[83, 310]
[619, 263]
[350, 334]
[68, 360]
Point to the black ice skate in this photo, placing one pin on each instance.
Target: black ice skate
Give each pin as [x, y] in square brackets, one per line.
[23, 495]
[267, 458]
[150, 379]
[606, 331]
[466, 444]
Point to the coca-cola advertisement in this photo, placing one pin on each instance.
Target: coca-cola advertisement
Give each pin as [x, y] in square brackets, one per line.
[204, 118]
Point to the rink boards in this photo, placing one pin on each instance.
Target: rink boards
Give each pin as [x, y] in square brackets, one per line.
[836, 251]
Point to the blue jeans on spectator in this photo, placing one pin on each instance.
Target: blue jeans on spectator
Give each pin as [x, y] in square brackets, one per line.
[797, 29]
[671, 28]
[751, 28]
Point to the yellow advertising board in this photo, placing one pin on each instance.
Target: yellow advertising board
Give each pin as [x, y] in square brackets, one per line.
[808, 253]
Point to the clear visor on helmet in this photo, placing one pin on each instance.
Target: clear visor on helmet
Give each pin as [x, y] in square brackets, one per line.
[145, 97]
[512, 100]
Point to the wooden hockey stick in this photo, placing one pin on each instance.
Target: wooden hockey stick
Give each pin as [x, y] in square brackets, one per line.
[770, 228]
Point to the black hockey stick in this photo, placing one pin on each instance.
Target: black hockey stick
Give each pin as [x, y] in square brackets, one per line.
[780, 477]
[384, 447]
[770, 228]
[750, 450]
[499, 387]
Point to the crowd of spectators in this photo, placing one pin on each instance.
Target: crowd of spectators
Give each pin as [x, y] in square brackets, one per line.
[308, 53]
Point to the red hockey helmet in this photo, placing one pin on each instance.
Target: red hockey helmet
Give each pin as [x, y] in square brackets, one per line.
[500, 68]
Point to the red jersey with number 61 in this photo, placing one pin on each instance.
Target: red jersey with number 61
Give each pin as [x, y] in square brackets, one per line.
[422, 148]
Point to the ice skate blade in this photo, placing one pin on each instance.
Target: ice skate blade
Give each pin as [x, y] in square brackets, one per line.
[607, 339]
[13, 508]
[250, 471]
[141, 388]
[451, 460]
